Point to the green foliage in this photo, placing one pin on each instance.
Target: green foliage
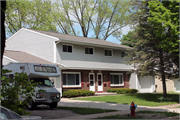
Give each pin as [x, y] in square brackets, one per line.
[11, 93]
[123, 91]
[85, 111]
[165, 19]
[35, 14]
[77, 93]
[103, 18]
[129, 39]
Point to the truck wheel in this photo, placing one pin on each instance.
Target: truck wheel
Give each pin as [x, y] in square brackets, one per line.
[53, 105]
[31, 105]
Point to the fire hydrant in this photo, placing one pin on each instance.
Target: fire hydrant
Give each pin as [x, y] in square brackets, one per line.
[133, 108]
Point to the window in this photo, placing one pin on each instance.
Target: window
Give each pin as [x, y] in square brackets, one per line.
[67, 48]
[88, 50]
[48, 69]
[117, 79]
[108, 52]
[42, 82]
[123, 54]
[71, 79]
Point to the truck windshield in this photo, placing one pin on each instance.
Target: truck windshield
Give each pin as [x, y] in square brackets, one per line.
[42, 82]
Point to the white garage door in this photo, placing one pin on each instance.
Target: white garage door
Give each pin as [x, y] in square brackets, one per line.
[145, 84]
[177, 85]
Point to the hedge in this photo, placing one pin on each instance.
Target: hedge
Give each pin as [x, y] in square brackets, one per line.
[77, 93]
[123, 90]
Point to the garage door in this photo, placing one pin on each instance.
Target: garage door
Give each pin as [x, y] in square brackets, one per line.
[145, 84]
[177, 85]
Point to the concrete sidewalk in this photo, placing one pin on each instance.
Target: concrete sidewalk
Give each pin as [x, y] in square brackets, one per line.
[122, 109]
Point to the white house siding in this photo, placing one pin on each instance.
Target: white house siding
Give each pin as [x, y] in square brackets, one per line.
[33, 43]
[78, 54]
[6, 61]
[133, 81]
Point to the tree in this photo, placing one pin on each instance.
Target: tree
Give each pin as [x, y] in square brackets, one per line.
[95, 18]
[3, 35]
[147, 52]
[130, 39]
[35, 14]
[165, 18]
[20, 87]
[104, 18]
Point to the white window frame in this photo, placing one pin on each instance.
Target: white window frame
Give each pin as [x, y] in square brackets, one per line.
[72, 73]
[89, 47]
[68, 45]
[109, 50]
[119, 79]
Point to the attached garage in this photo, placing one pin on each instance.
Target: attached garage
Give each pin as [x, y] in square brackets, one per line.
[146, 84]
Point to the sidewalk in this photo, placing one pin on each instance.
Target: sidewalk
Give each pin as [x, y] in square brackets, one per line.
[122, 109]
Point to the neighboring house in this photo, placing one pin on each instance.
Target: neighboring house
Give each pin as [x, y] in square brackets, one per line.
[172, 85]
[85, 63]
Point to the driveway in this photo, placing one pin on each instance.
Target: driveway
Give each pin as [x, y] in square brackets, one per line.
[47, 113]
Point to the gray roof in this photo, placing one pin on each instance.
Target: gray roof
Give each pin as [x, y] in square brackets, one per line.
[24, 57]
[79, 39]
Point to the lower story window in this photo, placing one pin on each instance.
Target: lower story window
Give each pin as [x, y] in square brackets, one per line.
[71, 79]
[117, 79]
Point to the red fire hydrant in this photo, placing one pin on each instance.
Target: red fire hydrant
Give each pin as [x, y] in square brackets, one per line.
[133, 108]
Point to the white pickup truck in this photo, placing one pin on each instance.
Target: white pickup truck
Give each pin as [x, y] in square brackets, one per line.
[39, 73]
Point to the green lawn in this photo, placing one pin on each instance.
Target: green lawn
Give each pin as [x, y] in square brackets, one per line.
[168, 114]
[144, 99]
[85, 111]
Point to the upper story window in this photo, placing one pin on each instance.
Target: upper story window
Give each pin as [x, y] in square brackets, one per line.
[108, 52]
[67, 48]
[89, 50]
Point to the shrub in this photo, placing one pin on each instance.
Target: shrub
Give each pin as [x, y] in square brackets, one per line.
[77, 93]
[123, 91]
[11, 92]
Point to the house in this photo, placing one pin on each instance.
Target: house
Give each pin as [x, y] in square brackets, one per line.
[85, 63]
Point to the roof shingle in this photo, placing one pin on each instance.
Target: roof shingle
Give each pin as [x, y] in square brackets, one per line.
[24, 57]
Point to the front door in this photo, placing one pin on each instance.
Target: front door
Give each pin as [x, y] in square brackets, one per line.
[92, 82]
[100, 82]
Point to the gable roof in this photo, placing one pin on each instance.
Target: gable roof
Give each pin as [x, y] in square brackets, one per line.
[24, 57]
[82, 40]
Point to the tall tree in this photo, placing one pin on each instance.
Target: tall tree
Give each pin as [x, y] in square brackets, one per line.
[102, 17]
[3, 35]
[35, 14]
[147, 52]
[165, 18]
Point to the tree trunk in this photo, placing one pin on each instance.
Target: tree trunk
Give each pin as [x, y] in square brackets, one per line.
[3, 35]
[163, 74]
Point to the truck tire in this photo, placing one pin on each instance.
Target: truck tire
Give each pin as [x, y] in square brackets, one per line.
[53, 105]
[31, 105]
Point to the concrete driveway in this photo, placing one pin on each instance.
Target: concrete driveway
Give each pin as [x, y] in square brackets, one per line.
[46, 113]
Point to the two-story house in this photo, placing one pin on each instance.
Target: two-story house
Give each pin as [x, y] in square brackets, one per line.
[85, 63]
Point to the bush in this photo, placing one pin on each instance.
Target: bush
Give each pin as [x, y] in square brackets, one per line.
[123, 90]
[77, 93]
[12, 92]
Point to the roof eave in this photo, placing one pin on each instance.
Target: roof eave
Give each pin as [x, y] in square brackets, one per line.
[93, 44]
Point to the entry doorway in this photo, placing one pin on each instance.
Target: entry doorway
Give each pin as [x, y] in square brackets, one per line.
[100, 82]
[92, 82]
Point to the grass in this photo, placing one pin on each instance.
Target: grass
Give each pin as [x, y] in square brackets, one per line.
[167, 114]
[178, 107]
[85, 111]
[144, 99]
[118, 117]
